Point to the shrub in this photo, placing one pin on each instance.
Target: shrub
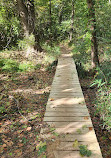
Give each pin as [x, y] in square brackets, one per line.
[25, 66]
[9, 65]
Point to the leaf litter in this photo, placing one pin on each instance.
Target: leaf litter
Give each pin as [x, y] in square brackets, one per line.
[24, 97]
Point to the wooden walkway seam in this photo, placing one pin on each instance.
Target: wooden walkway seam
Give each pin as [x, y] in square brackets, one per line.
[66, 111]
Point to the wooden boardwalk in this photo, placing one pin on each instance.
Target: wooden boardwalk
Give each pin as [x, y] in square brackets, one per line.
[66, 111]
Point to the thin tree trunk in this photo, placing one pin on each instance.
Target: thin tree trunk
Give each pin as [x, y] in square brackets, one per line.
[50, 14]
[72, 21]
[60, 14]
[50, 21]
[94, 45]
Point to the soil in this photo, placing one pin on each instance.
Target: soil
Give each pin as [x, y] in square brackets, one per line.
[103, 135]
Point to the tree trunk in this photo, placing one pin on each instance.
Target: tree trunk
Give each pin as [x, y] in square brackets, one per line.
[27, 15]
[31, 14]
[94, 45]
[72, 21]
[23, 12]
[31, 19]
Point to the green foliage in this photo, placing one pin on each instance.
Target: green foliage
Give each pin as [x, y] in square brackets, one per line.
[38, 66]
[84, 151]
[25, 66]
[52, 53]
[9, 65]
[41, 148]
[26, 42]
[103, 101]
[2, 109]
[9, 24]
[82, 61]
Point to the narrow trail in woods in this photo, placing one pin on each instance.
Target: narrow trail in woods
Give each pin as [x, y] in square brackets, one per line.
[67, 113]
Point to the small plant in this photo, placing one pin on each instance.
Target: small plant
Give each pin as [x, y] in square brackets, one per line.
[25, 66]
[84, 151]
[2, 109]
[9, 65]
[38, 66]
[41, 148]
[83, 148]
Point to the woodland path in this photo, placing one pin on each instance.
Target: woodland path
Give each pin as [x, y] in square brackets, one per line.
[66, 111]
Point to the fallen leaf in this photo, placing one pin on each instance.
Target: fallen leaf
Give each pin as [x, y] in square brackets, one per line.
[110, 137]
[19, 131]
[4, 145]
[51, 99]
[8, 122]
[1, 130]
[90, 128]
[1, 149]
[5, 149]
[20, 144]
[8, 142]
[86, 118]
[28, 128]
[18, 152]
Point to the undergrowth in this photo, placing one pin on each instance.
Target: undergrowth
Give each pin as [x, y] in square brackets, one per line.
[9, 65]
[52, 53]
[101, 79]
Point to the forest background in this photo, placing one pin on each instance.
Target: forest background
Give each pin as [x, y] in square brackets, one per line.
[31, 28]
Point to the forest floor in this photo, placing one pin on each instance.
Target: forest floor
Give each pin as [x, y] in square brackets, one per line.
[24, 96]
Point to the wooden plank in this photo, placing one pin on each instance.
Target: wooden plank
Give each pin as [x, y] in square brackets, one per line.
[74, 131]
[67, 106]
[69, 133]
[65, 90]
[84, 137]
[62, 114]
[62, 101]
[67, 119]
[66, 125]
[66, 109]
[68, 146]
[66, 94]
[72, 154]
